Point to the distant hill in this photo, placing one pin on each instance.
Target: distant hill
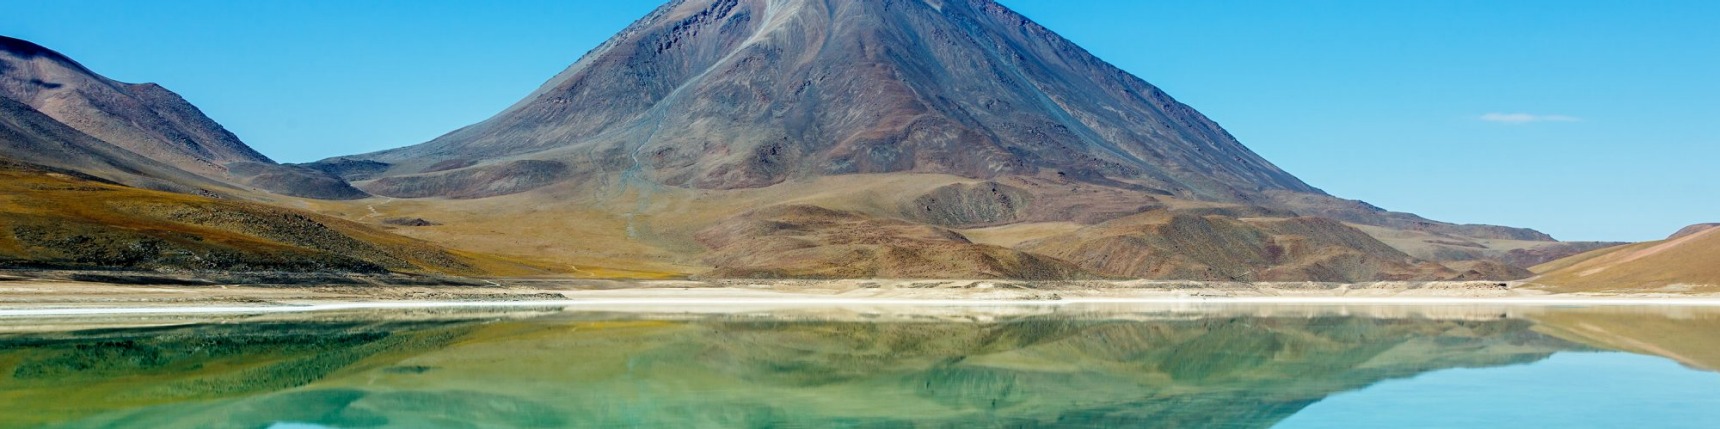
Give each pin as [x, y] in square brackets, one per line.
[98, 174]
[1687, 261]
[145, 119]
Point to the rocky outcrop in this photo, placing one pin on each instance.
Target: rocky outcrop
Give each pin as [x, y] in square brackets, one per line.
[966, 205]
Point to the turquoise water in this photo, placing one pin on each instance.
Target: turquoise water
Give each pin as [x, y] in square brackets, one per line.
[1567, 390]
[1225, 367]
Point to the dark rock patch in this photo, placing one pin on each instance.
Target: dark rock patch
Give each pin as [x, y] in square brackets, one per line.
[970, 205]
[404, 221]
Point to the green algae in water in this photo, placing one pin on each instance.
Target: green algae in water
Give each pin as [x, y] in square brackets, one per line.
[1128, 368]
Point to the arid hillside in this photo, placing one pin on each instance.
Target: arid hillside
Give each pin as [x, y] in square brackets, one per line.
[60, 219]
[145, 119]
[813, 242]
[1686, 262]
[1192, 245]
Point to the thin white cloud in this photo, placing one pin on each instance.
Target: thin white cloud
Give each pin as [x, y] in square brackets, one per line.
[1524, 118]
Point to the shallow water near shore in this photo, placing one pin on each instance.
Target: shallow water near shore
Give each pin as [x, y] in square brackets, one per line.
[1230, 366]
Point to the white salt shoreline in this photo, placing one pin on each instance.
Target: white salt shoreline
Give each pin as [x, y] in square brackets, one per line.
[670, 304]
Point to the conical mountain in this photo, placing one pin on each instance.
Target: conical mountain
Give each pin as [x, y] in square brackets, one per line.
[891, 138]
[723, 94]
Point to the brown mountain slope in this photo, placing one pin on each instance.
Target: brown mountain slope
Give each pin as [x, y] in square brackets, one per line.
[1687, 262]
[807, 241]
[1190, 245]
[1455, 248]
[1367, 214]
[51, 218]
[148, 120]
[27, 135]
[593, 230]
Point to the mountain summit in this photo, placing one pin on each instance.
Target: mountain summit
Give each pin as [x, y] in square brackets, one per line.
[724, 94]
[894, 138]
[757, 138]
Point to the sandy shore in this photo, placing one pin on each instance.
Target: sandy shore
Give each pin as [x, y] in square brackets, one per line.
[27, 298]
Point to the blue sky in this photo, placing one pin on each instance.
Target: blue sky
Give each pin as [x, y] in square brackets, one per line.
[1590, 120]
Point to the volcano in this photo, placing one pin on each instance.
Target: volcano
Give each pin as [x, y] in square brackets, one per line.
[711, 129]
[749, 93]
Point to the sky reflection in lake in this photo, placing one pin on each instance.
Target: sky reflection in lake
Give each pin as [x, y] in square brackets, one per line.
[1241, 367]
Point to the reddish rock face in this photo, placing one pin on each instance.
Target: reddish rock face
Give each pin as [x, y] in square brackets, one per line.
[746, 93]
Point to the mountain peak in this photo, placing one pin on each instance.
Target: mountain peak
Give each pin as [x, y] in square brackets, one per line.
[26, 49]
[728, 94]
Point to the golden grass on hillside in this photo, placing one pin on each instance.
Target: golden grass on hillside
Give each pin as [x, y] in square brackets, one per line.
[71, 222]
[584, 229]
[566, 238]
[801, 241]
[1014, 234]
[1685, 264]
[603, 228]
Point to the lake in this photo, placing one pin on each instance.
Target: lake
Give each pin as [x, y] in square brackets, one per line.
[1175, 366]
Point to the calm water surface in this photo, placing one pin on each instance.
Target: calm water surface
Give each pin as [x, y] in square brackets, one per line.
[1073, 366]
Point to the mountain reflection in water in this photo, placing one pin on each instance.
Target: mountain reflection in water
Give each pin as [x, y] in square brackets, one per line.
[1066, 368]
